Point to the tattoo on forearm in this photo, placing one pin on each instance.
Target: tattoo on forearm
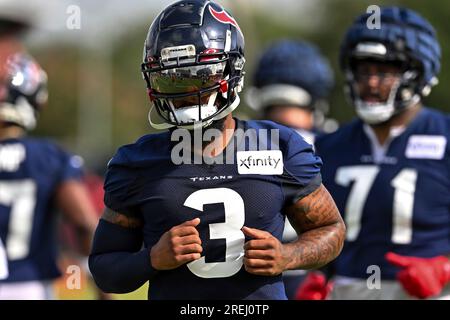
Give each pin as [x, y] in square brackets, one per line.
[121, 219]
[320, 227]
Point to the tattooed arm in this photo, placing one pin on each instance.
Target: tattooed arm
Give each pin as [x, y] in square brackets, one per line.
[321, 233]
[121, 219]
[320, 228]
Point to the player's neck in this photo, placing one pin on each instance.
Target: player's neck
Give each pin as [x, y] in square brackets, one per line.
[403, 119]
[219, 144]
[11, 132]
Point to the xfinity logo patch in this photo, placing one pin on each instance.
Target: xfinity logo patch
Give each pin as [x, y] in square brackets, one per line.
[426, 147]
[267, 162]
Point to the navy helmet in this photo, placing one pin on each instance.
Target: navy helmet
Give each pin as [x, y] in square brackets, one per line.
[403, 37]
[193, 64]
[291, 72]
[23, 91]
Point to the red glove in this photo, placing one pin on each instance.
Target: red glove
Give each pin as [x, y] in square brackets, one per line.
[314, 287]
[421, 277]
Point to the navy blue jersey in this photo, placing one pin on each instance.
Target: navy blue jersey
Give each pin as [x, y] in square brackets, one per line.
[396, 199]
[30, 172]
[143, 181]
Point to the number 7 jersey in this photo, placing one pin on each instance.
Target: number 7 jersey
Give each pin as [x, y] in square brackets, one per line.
[394, 197]
[30, 172]
[252, 191]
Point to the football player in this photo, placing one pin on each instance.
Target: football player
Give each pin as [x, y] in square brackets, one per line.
[208, 230]
[389, 170]
[36, 176]
[291, 83]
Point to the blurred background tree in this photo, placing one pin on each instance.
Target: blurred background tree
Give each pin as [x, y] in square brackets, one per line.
[97, 96]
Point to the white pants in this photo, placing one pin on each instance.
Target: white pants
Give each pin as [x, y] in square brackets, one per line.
[27, 290]
[356, 289]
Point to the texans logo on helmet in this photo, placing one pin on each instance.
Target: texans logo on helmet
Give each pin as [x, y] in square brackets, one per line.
[224, 17]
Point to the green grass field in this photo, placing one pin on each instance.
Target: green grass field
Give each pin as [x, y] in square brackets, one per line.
[88, 292]
[88, 289]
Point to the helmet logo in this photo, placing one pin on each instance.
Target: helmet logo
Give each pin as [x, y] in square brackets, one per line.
[224, 17]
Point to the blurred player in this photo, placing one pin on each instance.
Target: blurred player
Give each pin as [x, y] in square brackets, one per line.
[292, 81]
[194, 219]
[72, 252]
[36, 176]
[389, 169]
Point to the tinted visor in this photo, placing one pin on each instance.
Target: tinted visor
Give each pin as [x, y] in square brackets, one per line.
[187, 79]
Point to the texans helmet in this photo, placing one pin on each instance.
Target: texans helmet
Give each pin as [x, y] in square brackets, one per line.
[403, 37]
[193, 64]
[293, 73]
[23, 91]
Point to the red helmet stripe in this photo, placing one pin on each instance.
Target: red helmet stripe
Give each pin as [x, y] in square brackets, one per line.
[224, 17]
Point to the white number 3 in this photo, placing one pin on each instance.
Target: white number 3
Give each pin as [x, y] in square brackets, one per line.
[230, 230]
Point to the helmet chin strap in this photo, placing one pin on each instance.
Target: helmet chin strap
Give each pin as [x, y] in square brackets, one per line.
[228, 109]
[157, 126]
[198, 124]
[374, 113]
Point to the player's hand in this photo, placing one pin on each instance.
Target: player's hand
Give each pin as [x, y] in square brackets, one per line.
[178, 246]
[314, 287]
[421, 277]
[264, 255]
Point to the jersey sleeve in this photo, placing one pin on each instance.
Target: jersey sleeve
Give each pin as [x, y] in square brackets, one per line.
[66, 166]
[120, 196]
[72, 167]
[301, 175]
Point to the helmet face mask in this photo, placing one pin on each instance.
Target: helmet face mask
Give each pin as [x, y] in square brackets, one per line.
[406, 40]
[392, 93]
[193, 64]
[375, 112]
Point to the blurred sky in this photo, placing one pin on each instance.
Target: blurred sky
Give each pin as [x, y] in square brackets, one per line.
[101, 19]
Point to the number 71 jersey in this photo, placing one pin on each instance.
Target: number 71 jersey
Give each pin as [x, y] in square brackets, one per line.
[394, 197]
